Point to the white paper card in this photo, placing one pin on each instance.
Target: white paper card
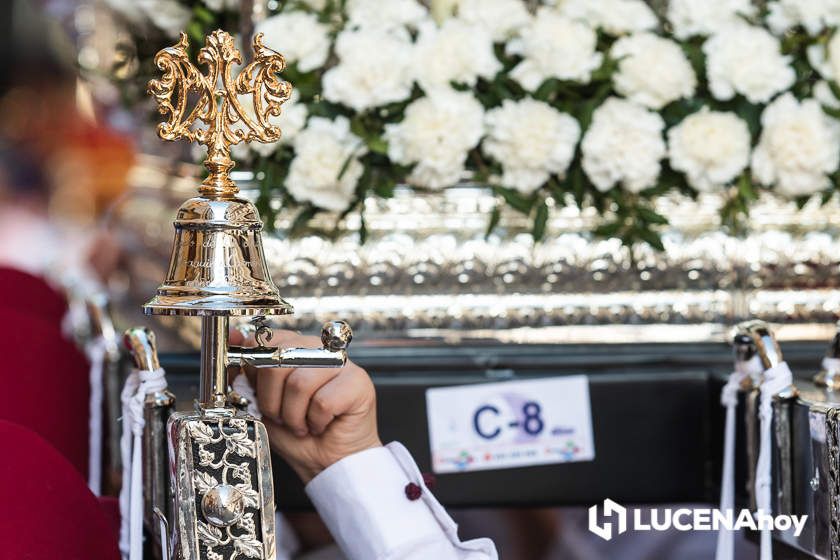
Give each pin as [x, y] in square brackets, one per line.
[510, 424]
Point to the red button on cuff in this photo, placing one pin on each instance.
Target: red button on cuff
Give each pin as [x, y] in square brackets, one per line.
[412, 491]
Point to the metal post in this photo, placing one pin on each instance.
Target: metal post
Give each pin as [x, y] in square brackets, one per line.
[214, 342]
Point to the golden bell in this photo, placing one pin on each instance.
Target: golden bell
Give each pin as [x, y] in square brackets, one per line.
[217, 265]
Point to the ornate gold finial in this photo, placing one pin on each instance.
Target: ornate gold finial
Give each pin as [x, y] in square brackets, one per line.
[218, 105]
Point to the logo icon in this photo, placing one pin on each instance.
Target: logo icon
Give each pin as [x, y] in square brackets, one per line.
[611, 509]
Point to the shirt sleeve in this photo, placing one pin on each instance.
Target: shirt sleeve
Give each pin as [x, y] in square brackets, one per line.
[363, 502]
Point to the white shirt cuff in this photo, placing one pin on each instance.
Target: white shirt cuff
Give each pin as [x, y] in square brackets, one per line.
[362, 500]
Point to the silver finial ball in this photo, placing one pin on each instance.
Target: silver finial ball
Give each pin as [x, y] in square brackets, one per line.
[222, 505]
[336, 335]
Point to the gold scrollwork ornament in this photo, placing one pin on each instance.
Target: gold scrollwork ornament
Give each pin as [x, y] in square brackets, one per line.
[218, 106]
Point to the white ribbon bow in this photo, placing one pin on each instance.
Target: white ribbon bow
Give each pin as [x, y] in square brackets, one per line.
[137, 386]
[776, 379]
[96, 351]
[729, 399]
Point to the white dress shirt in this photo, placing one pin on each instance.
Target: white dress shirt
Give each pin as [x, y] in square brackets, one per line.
[362, 500]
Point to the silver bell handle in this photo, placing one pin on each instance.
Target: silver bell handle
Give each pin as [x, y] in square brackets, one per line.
[335, 337]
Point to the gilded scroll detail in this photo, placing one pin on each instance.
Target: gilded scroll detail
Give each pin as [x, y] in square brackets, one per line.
[227, 118]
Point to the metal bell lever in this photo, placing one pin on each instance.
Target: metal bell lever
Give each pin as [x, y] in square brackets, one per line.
[770, 355]
[743, 349]
[141, 343]
[335, 337]
[829, 374]
[765, 343]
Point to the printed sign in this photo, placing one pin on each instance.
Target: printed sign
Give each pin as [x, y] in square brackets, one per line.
[510, 424]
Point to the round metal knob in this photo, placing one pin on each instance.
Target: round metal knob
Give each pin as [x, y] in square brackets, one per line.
[222, 505]
[336, 335]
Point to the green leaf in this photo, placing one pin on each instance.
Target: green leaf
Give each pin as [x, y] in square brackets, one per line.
[203, 15]
[516, 200]
[610, 229]
[835, 88]
[650, 216]
[363, 232]
[357, 127]
[345, 165]
[545, 90]
[377, 144]
[540, 221]
[578, 188]
[385, 188]
[495, 216]
[302, 220]
[831, 111]
[652, 238]
[195, 31]
[746, 190]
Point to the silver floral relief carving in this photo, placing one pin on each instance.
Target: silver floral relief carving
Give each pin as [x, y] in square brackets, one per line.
[226, 454]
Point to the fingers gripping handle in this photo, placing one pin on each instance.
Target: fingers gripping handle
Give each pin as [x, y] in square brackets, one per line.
[335, 337]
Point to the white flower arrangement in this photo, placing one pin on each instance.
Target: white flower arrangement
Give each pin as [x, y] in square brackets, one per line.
[615, 17]
[301, 38]
[691, 18]
[436, 135]
[565, 99]
[501, 18]
[747, 60]
[651, 70]
[813, 15]
[531, 140]
[326, 166]
[623, 146]
[554, 46]
[712, 148]
[375, 68]
[455, 51]
[799, 147]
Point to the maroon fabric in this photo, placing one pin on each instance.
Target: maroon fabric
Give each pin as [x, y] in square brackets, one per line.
[48, 511]
[30, 294]
[44, 376]
[111, 508]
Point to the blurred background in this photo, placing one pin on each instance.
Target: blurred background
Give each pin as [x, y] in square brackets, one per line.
[490, 189]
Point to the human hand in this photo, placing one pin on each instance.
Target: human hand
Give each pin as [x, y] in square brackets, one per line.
[314, 416]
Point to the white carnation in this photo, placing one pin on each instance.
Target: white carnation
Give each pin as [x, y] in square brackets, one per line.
[454, 52]
[826, 58]
[167, 15]
[690, 17]
[799, 147]
[436, 134]
[129, 9]
[623, 145]
[222, 5]
[652, 71]
[501, 18]
[822, 93]
[299, 37]
[710, 147]
[813, 15]
[391, 14]
[614, 17]
[553, 46]
[322, 150]
[291, 121]
[374, 69]
[531, 140]
[747, 60]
